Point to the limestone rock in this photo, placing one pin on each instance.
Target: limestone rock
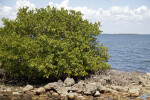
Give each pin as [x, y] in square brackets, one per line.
[78, 87]
[62, 90]
[43, 96]
[28, 88]
[101, 88]
[8, 90]
[56, 95]
[90, 88]
[102, 81]
[120, 88]
[72, 95]
[69, 81]
[80, 98]
[81, 82]
[15, 93]
[51, 86]
[60, 81]
[148, 98]
[97, 93]
[40, 90]
[134, 92]
[148, 74]
[51, 91]
[35, 97]
[62, 97]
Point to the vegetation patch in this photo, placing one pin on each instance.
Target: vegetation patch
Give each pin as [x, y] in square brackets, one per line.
[50, 42]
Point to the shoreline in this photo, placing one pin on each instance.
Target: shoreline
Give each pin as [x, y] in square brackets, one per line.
[111, 84]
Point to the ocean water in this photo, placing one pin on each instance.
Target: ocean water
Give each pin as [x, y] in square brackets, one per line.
[128, 52]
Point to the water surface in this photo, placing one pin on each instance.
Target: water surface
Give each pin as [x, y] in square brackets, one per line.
[128, 52]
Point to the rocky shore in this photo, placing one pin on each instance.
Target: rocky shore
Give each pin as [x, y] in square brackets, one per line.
[109, 85]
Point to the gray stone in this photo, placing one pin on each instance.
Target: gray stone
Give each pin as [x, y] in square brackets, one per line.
[148, 74]
[62, 91]
[78, 87]
[8, 90]
[120, 88]
[72, 95]
[56, 95]
[49, 86]
[97, 93]
[102, 81]
[90, 88]
[101, 88]
[69, 81]
[40, 90]
[134, 92]
[80, 98]
[81, 82]
[15, 93]
[28, 88]
[59, 81]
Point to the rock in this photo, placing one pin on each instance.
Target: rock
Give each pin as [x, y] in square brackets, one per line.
[148, 74]
[91, 98]
[13, 98]
[102, 81]
[72, 95]
[44, 96]
[69, 81]
[48, 93]
[138, 98]
[101, 88]
[15, 93]
[28, 88]
[62, 97]
[81, 82]
[78, 87]
[51, 91]
[134, 92]
[115, 92]
[147, 98]
[120, 89]
[97, 93]
[30, 93]
[62, 90]
[8, 90]
[80, 98]
[107, 79]
[56, 95]
[142, 81]
[40, 90]
[35, 97]
[90, 88]
[59, 81]
[51, 86]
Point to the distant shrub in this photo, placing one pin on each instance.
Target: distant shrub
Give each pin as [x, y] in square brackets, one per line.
[48, 42]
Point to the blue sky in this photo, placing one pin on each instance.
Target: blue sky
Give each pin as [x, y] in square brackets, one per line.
[116, 16]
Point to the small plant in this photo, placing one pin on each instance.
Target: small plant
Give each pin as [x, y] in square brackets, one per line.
[48, 42]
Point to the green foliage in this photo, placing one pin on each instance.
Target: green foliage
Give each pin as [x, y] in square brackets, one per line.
[48, 42]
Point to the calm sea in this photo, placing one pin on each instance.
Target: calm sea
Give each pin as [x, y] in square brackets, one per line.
[128, 52]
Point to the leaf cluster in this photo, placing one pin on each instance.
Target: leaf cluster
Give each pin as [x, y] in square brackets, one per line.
[49, 42]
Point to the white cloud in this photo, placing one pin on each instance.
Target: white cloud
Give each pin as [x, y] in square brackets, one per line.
[6, 11]
[115, 13]
[24, 3]
[141, 9]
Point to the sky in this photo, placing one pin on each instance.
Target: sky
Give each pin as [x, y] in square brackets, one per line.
[116, 16]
